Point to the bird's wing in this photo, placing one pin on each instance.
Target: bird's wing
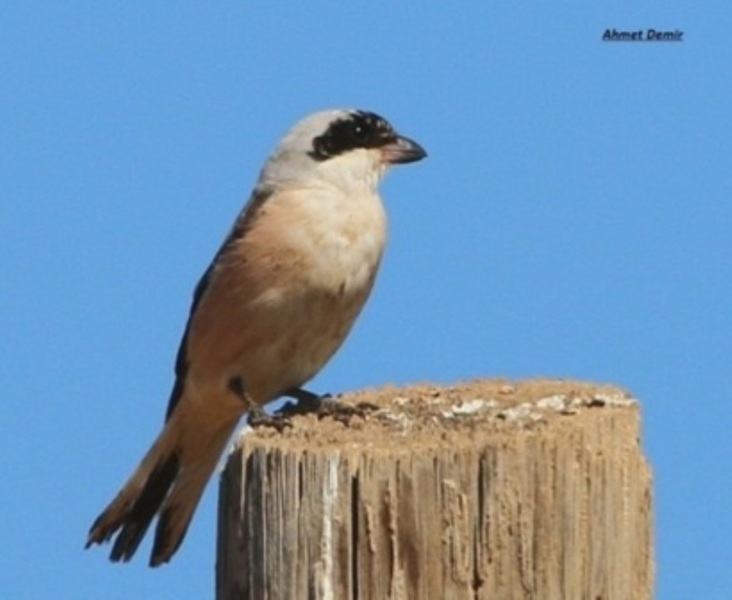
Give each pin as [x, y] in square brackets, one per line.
[204, 284]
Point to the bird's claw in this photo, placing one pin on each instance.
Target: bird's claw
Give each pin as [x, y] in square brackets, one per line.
[323, 406]
[278, 421]
[307, 402]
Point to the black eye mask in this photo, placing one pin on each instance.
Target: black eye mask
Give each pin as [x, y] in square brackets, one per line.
[357, 130]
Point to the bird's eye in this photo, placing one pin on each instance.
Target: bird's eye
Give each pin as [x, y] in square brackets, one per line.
[361, 131]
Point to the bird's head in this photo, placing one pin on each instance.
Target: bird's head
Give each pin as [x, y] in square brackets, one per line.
[349, 149]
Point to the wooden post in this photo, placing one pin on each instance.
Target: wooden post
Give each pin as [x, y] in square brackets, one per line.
[487, 489]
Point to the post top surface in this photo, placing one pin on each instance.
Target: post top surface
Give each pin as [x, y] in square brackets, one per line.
[445, 415]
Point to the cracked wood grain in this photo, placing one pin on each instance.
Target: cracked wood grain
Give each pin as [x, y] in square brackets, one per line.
[487, 489]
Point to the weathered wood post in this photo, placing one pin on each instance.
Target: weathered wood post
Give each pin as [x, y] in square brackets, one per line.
[487, 489]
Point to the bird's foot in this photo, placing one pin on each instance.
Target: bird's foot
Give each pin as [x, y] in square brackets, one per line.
[256, 416]
[259, 418]
[323, 406]
[307, 402]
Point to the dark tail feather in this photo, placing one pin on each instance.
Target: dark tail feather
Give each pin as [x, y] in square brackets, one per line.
[145, 508]
[135, 506]
[133, 512]
[165, 545]
[169, 483]
[180, 504]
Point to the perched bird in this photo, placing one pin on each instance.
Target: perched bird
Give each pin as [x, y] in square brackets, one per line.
[273, 307]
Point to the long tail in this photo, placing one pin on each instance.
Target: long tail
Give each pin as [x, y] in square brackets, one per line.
[168, 482]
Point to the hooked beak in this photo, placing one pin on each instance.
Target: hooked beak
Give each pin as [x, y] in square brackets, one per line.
[402, 150]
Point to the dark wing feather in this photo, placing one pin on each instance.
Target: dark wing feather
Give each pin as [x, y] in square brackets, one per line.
[181, 361]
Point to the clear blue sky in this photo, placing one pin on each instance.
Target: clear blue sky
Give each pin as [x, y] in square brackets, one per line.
[574, 219]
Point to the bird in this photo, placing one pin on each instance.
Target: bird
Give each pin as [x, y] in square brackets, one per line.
[275, 304]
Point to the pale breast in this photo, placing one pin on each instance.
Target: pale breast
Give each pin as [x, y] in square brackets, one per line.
[284, 300]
